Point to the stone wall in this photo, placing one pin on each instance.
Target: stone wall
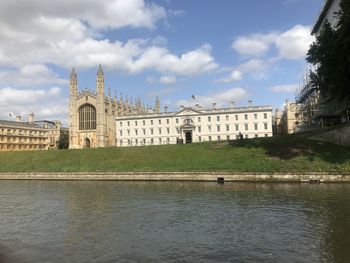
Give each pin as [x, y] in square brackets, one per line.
[339, 135]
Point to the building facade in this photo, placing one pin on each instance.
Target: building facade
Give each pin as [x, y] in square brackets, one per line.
[92, 114]
[287, 121]
[97, 120]
[31, 135]
[194, 125]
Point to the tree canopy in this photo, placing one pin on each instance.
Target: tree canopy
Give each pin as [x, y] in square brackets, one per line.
[330, 53]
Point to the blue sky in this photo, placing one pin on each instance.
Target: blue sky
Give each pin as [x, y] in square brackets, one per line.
[218, 51]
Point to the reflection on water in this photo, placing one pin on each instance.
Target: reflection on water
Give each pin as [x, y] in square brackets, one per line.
[43, 221]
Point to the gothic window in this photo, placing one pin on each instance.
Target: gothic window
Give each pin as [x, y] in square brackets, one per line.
[87, 117]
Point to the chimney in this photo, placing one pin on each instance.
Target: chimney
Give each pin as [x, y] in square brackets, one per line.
[232, 104]
[18, 118]
[182, 107]
[250, 102]
[197, 106]
[165, 109]
[214, 105]
[31, 117]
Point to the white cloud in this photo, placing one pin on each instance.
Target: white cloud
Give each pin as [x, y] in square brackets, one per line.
[291, 44]
[294, 43]
[69, 42]
[42, 102]
[285, 88]
[30, 75]
[253, 45]
[253, 66]
[235, 76]
[167, 80]
[220, 98]
[97, 14]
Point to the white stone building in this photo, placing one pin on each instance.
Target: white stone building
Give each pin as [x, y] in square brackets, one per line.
[194, 125]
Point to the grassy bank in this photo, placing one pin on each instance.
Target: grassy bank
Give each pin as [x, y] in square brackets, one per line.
[292, 154]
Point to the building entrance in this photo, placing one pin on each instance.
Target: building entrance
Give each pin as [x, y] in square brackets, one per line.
[87, 143]
[188, 136]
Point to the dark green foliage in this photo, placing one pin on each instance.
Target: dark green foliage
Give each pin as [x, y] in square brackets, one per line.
[331, 56]
[63, 142]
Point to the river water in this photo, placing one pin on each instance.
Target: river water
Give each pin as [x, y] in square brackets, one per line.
[88, 221]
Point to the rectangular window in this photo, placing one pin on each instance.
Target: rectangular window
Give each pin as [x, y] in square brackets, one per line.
[199, 129]
[168, 130]
[236, 117]
[129, 132]
[265, 115]
[218, 128]
[121, 142]
[228, 137]
[209, 138]
[265, 126]
[227, 118]
[143, 123]
[219, 138]
[199, 119]
[209, 128]
[199, 138]
[256, 135]
[160, 130]
[151, 131]
[177, 120]
[266, 135]
[135, 123]
[144, 131]
[128, 123]
[246, 116]
[237, 127]
[246, 126]
[121, 132]
[151, 122]
[177, 129]
[255, 116]
[121, 124]
[144, 141]
[255, 126]
[217, 118]
[209, 119]
[168, 140]
[227, 127]
[136, 132]
[160, 140]
[246, 136]
[159, 121]
[152, 141]
[167, 121]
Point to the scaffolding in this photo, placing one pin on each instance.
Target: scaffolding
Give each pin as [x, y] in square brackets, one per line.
[317, 111]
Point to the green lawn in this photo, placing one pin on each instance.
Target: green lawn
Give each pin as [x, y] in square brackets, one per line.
[290, 154]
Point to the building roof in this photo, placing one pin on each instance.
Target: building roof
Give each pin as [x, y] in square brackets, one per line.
[326, 5]
[198, 111]
[18, 124]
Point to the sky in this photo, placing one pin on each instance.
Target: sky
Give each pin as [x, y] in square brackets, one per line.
[218, 51]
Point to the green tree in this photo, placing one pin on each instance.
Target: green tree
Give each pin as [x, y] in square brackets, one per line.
[63, 142]
[330, 53]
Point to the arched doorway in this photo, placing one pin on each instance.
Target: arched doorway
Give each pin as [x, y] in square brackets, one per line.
[87, 143]
[188, 136]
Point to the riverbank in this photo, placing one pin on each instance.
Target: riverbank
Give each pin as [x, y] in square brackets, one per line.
[292, 154]
[177, 176]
